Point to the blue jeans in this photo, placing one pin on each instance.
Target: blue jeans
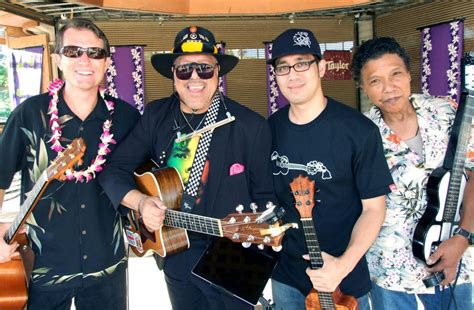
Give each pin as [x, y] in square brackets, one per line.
[393, 300]
[289, 298]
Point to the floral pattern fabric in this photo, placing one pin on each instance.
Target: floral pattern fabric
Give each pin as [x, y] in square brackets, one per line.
[391, 262]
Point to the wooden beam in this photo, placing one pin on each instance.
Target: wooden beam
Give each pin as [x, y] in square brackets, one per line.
[30, 14]
[226, 7]
[15, 32]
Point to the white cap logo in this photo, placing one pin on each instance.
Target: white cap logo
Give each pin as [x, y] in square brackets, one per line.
[301, 38]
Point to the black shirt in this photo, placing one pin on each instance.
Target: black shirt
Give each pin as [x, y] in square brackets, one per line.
[341, 150]
[75, 231]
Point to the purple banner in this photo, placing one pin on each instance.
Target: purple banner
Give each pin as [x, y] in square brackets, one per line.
[222, 79]
[124, 78]
[441, 52]
[27, 69]
[276, 100]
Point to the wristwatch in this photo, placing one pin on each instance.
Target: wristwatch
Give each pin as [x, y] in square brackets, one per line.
[466, 234]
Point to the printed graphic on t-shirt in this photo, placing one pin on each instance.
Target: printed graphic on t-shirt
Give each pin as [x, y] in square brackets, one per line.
[182, 157]
[282, 165]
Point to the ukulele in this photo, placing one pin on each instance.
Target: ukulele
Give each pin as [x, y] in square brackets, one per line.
[445, 189]
[303, 191]
[246, 228]
[15, 274]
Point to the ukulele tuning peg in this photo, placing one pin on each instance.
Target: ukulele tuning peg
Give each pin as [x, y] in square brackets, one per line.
[239, 208]
[269, 205]
[253, 207]
[246, 244]
[260, 246]
[277, 248]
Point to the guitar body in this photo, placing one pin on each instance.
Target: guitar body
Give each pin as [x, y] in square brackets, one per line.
[341, 301]
[432, 229]
[167, 185]
[14, 277]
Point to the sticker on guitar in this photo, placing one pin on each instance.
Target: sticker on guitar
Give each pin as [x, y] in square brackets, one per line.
[311, 168]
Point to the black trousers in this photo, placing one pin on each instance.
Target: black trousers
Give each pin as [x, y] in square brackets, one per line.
[108, 294]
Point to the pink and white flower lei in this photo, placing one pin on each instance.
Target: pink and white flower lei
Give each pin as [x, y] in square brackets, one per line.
[106, 137]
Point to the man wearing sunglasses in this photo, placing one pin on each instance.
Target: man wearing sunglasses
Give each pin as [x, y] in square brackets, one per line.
[342, 153]
[220, 168]
[75, 232]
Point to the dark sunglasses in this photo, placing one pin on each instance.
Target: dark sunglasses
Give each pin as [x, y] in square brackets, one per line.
[204, 71]
[77, 51]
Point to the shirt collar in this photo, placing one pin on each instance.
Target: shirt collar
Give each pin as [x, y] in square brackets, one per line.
[100, 110]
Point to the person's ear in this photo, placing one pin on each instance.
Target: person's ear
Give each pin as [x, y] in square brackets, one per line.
[322, 68]
[57, 61]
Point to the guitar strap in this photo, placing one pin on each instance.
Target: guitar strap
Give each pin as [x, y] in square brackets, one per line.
[453, 139]
[190, 192]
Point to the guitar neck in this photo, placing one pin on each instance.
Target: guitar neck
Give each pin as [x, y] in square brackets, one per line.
[27, 206]
[457, 171]
[193, 222]
[316, 260]
[312, 243]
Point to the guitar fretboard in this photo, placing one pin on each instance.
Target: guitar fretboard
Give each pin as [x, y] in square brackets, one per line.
[316, 260]
[193, 222]
[26, 206]
[457, 171]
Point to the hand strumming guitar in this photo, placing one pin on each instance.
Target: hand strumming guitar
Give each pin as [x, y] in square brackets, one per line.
[449, 254]
[152, 211]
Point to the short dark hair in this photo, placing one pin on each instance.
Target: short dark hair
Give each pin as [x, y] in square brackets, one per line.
[374, 49]
[80, 23]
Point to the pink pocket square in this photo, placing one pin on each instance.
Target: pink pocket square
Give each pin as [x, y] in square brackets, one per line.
[236, 169]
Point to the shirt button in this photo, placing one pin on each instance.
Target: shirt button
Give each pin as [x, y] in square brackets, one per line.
[83, 206]
[84, 257]
[84, 232]
[81, 128]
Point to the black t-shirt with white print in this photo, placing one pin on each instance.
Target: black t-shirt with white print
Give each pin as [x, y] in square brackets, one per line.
[341, 150]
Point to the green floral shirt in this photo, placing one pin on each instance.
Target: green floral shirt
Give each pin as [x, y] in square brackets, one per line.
[391, 262]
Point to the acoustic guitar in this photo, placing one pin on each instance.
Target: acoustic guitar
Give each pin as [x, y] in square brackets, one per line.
[15, 274]
[303, 191]
[247, 228]
[445, 189]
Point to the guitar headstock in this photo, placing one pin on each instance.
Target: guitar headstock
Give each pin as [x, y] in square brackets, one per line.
[248, 228]
[303, 191]
[66, 159]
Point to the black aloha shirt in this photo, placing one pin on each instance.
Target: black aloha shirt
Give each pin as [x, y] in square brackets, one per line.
[75, 231]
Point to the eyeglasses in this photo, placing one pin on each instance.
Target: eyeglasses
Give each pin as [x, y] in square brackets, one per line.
[77, 51]
[298, 67]
[204, 71]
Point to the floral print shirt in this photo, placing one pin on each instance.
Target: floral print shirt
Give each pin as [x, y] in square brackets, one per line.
[74, 231]
[391, 262]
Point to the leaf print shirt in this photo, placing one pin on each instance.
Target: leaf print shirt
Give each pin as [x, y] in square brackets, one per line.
[391, 261]
[74, 230]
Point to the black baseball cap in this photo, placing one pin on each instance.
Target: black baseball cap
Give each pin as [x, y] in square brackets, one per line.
[294, 41]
